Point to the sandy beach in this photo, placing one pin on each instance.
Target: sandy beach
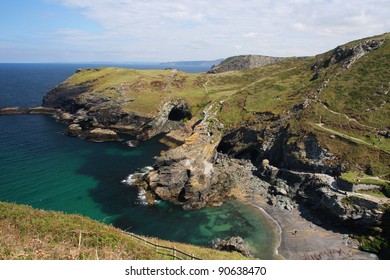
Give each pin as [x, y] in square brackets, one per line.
[300, 239]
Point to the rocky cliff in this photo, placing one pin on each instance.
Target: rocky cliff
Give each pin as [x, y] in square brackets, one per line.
[98, 116]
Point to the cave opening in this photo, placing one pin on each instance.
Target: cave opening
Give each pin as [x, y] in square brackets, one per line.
[182, 196]
[178, 114]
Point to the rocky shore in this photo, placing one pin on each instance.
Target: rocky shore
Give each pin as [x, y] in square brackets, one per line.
[302, 239]
[205, 166]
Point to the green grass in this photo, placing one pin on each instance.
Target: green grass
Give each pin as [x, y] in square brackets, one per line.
[355, 177]
[373, 244]
[27, 233]
[376, 193]
[360, 91]
[357, 103]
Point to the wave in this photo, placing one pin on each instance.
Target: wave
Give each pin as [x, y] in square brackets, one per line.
[132, 178]
[132, 143]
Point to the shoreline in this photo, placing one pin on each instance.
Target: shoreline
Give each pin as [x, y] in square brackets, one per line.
[297, 237]
[300, 239]
[39, 110]
[271, 220]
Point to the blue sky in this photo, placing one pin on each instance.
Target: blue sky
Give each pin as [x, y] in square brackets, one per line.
[157, 30]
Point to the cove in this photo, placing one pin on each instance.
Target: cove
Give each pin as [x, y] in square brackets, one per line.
[45, 169]
[41, 167]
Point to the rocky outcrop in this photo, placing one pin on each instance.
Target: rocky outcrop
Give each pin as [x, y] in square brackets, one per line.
[90, 111]
[322, 194]
[34, 110]
[244, 62]
[94, 135]
[233, 244]
[170, 117]
[100, 135]
[275, 144]
[183, 174]
[195, 174]
[346, 56]
[306, 154]
[64, 97]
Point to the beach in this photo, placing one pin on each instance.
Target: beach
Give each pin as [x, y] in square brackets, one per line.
[301, 239]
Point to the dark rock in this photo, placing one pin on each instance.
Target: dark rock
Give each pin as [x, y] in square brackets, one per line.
[320, 195]
[64, 96]
[34, 110]
[303, 154]
[384, 133]
[242, 143]
[233, 244]
[170, 117]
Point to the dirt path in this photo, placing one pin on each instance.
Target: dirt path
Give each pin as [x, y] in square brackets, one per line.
[379, 200]
[347, 117]
[354, 139]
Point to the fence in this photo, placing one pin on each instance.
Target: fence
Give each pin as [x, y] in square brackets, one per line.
[165, 250]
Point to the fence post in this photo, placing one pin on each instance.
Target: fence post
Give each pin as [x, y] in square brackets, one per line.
[174, 252]
[156, 247]
[192, 257]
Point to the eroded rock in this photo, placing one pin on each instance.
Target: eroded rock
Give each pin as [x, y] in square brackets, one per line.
[100, 135]
[233, 244]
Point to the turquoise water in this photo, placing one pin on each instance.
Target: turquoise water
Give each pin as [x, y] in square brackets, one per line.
[41, 167]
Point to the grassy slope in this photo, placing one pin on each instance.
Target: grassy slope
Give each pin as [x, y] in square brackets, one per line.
[26, 233]
[143, 91]
[357, 108]
[353, 106]
[355, 99]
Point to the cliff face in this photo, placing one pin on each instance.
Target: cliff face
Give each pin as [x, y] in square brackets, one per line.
[98, 117]
[282, 132]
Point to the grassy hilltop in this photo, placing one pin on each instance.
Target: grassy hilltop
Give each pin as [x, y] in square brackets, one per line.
[344, 108]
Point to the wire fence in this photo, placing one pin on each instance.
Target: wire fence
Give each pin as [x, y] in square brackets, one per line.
[176, 254]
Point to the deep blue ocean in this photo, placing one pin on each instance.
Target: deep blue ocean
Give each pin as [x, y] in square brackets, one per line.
[41, 167]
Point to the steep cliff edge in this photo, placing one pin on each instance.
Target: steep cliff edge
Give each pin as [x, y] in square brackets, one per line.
[117, 100]
[283, 112]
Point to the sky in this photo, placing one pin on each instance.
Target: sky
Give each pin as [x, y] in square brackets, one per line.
[158, 30]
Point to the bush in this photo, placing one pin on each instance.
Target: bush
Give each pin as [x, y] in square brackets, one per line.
[386, 190]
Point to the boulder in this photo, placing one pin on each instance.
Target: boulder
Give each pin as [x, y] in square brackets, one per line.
[233, 244]
[74, 129]
[101, 135]
[66, 117]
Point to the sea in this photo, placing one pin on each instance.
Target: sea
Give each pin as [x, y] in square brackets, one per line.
[43, 168]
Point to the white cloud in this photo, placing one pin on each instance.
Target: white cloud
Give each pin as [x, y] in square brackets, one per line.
[250, 35]
[299, 26]
[183, 29]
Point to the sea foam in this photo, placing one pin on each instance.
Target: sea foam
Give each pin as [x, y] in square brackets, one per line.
[132, 178]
